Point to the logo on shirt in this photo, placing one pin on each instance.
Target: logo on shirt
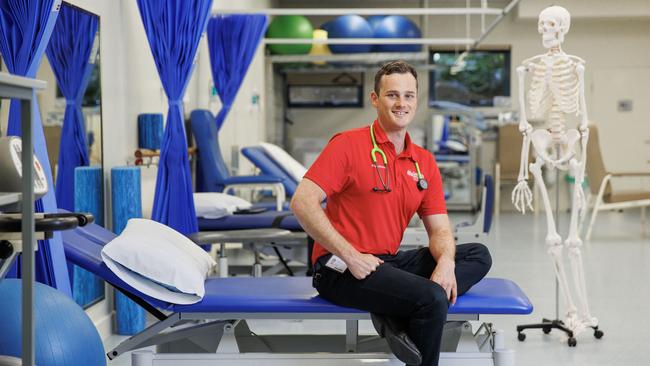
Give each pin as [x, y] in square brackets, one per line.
[412, 174]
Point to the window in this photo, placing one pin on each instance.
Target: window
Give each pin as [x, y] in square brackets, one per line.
[473, 79]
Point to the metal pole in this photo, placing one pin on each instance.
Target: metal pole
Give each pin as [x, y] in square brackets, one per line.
[557, 224]
[28, 230]
[468, 23]
[424, 19]
[494, 23]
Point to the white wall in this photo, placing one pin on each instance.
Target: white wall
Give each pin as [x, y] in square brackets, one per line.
[594, 9]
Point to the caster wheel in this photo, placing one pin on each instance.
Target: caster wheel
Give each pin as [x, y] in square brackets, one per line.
[598, 334]
[572, 342]
[521, 337]
[546, 330]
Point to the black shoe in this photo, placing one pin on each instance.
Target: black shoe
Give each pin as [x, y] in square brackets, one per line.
[399, 342]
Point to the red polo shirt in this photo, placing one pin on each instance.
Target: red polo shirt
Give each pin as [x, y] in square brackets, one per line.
[374, 222]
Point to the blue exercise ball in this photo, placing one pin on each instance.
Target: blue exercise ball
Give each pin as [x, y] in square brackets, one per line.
[397, 26]
[374, 21]
[348, 26]
[64, 335]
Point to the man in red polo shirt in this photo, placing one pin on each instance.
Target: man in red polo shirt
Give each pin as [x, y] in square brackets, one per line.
[375, 179]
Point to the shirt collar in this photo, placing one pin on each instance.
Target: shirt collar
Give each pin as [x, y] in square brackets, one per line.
[381, 138]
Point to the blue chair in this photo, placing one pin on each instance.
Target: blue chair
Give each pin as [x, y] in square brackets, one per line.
[214, 175]
[479, 230]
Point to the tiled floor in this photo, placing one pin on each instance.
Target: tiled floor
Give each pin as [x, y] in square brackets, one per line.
[617, 267]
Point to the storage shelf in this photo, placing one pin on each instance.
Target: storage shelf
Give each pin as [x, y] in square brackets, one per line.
[371, 58]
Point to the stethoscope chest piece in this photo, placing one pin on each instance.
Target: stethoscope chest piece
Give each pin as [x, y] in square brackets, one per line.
[422, 184]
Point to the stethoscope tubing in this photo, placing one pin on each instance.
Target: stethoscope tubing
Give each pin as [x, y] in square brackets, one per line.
[421, 184]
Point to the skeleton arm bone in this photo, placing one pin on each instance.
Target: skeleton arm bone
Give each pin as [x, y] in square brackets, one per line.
[524, 127]
[584, 137]
[580, 70]
[521, 195]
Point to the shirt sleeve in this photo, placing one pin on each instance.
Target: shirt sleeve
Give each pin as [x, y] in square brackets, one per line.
[433, 202]
[332, 169]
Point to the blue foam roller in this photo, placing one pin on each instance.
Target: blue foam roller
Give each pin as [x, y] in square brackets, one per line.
[89, 193]
[63, 334]
[88, 197]
[150, 130]
[127, 204]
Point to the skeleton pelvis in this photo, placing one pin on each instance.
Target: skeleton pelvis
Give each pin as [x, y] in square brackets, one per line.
[545, 144]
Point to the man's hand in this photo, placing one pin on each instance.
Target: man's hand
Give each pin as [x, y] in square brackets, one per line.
[445, 276]
[361, 265]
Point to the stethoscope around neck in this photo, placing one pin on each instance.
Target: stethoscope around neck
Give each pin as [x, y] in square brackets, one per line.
[385, 183]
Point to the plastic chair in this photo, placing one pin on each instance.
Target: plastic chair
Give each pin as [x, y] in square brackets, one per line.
[601, 187]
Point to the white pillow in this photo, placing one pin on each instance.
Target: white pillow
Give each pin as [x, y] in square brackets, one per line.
[159, 261]
[215, 205]
[291, 165]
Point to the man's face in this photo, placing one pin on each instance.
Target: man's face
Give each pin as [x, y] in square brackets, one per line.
[396, 102]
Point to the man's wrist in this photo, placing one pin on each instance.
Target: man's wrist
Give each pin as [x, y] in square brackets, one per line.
[447, 261]
[347, 253]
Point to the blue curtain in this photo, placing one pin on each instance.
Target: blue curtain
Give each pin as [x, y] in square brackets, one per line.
[70, 56]
[25, 29]
[232, 40]
[174, 28]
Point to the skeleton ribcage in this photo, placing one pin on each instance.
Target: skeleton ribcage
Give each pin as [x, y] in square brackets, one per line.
[553, 89]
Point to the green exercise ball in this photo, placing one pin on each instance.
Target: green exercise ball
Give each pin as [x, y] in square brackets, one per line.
[290, 26]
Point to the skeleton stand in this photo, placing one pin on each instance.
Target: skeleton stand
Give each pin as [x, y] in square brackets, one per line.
[547, 325]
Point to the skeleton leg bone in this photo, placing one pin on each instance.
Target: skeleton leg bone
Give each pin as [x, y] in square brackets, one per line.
[573, 243]
[554, 242]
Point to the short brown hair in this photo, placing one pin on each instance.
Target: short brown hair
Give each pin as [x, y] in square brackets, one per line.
[394, 67]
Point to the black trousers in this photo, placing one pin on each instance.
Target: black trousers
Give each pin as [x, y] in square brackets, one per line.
[401, 288]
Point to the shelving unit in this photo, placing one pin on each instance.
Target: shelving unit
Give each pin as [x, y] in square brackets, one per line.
[24, 89]
[371, 59]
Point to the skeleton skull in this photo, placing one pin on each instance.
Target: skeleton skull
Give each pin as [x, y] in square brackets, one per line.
[554, 23]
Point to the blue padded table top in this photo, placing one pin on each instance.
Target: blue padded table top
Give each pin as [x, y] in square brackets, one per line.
[276, 294]
[262, 220]
[296, 295]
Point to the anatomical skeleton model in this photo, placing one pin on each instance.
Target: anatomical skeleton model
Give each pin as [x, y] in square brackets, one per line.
[556, 91]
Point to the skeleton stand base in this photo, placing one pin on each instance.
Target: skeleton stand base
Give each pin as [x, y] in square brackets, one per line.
[547, 325]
